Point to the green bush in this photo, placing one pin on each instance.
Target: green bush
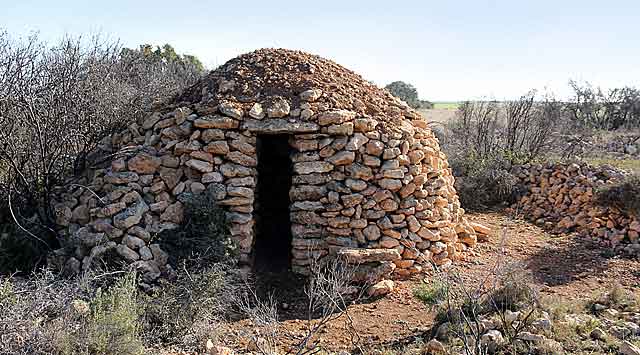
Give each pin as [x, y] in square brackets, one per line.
[204, 237]
[113, 325]
[624, 195]
[431, 294]
[483, 183]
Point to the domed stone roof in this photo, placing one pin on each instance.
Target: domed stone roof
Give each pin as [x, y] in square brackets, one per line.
[304, 81]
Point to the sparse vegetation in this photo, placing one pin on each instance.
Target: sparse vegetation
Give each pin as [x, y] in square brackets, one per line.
[57, 102]
[624, 195]
[204, 237]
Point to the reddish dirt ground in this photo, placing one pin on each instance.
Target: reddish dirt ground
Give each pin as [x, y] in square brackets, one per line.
[563, 266]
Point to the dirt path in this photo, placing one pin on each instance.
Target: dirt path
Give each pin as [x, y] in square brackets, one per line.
[564, 266]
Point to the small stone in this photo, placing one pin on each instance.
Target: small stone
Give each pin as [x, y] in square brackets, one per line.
[312, 167]
[216, 122]
[434, 346]
[199, 165]
[217, 147]
[336, 117]
[174, 213]
[211, 177]
[358, 140]
[127, 254]
[256, 111]
[372, 232]
[342, 158]
[228, 109]
[242, 159]
[598, 334]
[381, 288]
[492, 340]
[279, 108]
[310, 95]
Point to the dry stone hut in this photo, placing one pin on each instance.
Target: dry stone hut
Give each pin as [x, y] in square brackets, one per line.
[306, 157]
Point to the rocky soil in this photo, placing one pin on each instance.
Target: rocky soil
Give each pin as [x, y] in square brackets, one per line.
[564, 267]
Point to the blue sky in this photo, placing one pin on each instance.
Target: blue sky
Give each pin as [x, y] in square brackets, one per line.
[450, 50]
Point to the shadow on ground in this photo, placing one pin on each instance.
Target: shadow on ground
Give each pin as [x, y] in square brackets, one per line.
[567, 259]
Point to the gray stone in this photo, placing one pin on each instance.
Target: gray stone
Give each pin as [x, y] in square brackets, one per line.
[279, 108]
[361, 256]
[127, 254]
[278, 125]
[131, 216]
[312, 167]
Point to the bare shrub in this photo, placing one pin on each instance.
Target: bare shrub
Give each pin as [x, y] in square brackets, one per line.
[56, 104]
[488, 137]
[35, 313]
[504, 300]
[188, 307]
[608, 110]
[328, 291]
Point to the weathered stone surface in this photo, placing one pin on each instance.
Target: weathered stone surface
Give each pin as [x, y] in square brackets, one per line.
[235, 170]
[279, 108]
[199, 165]
[174, 213]
[312, 167]
[144, 164]
[342, 158]
[230, 110]
[121, 178]
[381, 288]
[216, 122]
[127, 254]
[372, 232]
[351, 200]
[131, 216]
[279, 126]
[390, 184]
[310, 95]
[217, 147]
[357, 141]
[336, 117]
[361, 256]
[358, 171]
[256, 111]
[170, 176]
[211, 177]
[345, 129]
[242, 159]
[307, 193]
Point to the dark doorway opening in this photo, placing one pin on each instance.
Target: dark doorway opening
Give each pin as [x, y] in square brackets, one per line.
[272, 248]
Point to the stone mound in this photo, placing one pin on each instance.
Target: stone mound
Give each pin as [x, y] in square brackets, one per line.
[266, 75]
[356, 168]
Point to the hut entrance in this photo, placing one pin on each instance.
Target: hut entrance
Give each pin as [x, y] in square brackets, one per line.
[272, 248]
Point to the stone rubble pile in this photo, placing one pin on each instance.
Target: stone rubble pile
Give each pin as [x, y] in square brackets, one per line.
[561, 197]
[367, 171]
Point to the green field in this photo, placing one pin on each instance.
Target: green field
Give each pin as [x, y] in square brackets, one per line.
[446, 105]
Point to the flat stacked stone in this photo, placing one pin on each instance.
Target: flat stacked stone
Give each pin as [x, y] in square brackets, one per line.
[367, 171]
[561, 197]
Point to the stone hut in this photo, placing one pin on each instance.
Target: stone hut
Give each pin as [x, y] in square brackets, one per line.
[305, 156]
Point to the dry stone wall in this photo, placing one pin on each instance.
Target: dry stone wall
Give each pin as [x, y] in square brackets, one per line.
[363, 176]
[560, 196]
